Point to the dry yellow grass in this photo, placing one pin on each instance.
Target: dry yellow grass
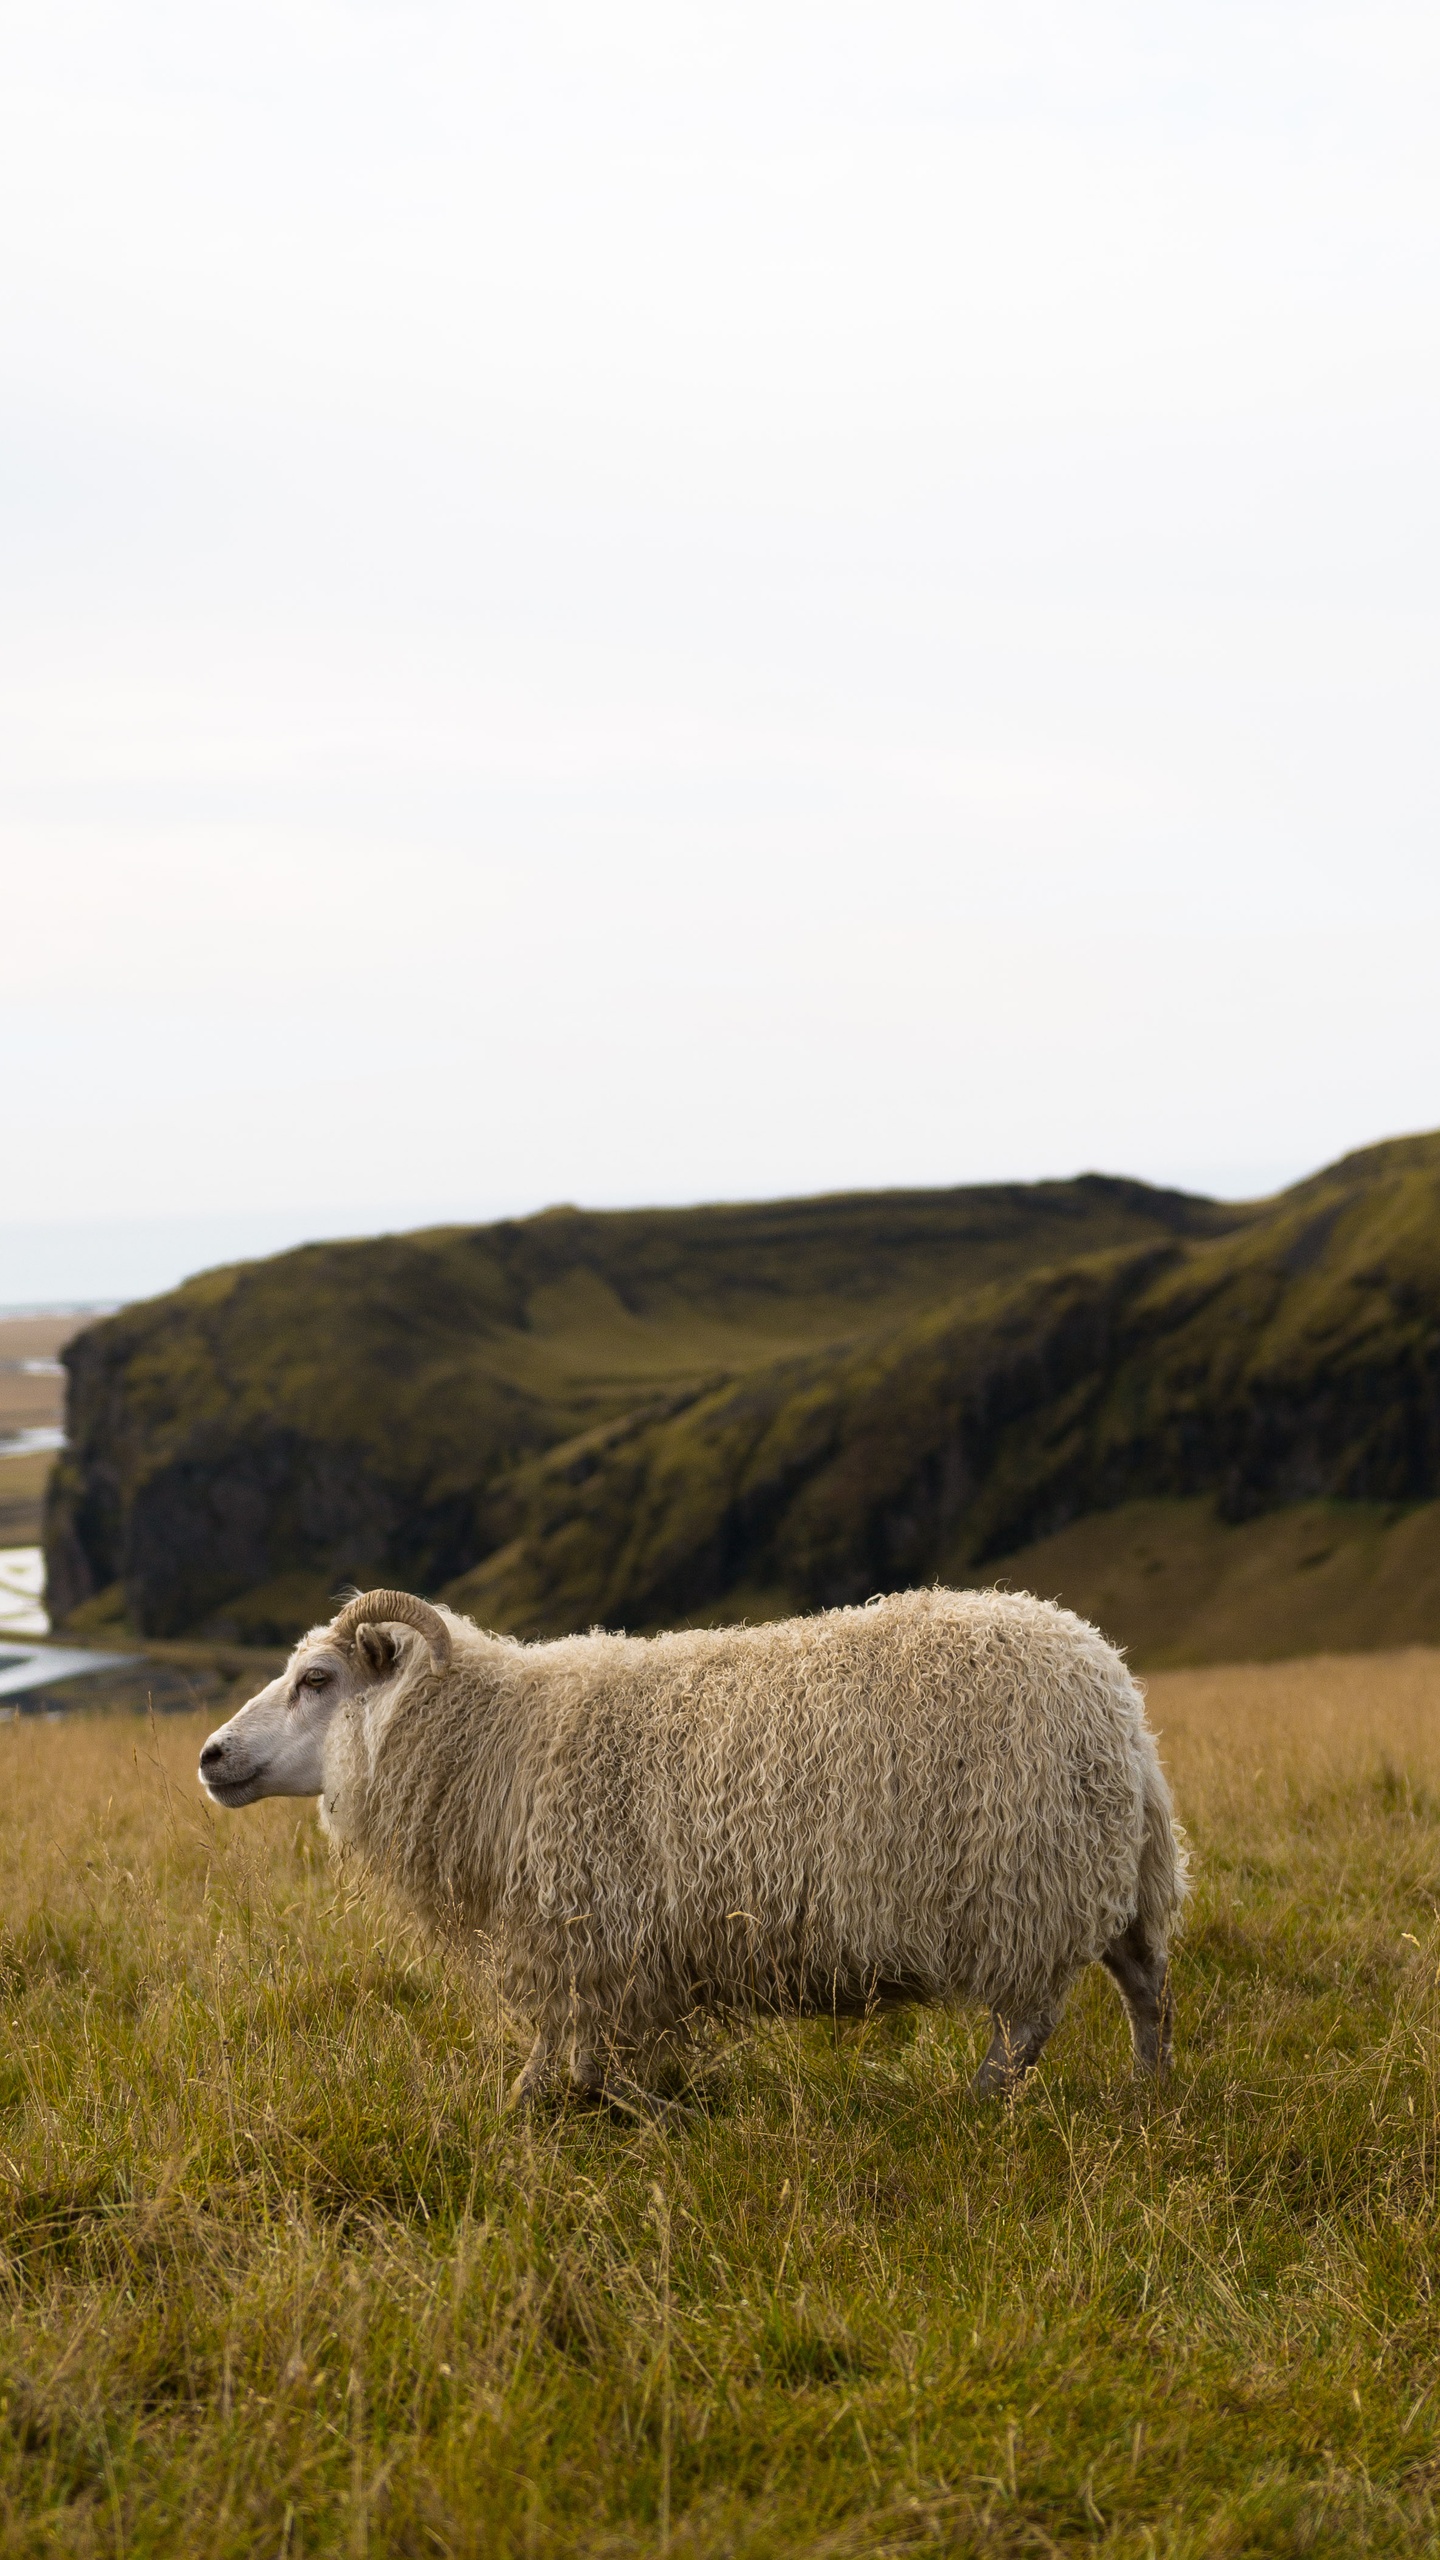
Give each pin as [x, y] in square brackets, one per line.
[1243, 1739]
[278, 2278]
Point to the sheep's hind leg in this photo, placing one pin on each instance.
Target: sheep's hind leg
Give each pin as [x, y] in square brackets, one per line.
[1015, 2048]
[1141, 1971]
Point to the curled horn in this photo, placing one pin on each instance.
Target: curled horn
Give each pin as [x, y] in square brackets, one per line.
[394, 1609]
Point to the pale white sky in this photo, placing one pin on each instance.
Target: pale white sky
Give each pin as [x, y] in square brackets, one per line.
[642, 602]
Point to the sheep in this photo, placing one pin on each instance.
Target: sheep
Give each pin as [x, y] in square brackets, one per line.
[943, 1796]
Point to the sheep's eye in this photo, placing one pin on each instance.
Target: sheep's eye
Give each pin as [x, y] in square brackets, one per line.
[314, 1679]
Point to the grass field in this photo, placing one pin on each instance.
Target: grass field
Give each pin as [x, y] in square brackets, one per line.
[278, 2277]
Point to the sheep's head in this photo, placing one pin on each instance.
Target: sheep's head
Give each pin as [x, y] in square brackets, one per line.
[275, 1744]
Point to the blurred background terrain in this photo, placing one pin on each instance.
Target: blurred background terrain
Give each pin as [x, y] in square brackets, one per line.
[1214, 1427]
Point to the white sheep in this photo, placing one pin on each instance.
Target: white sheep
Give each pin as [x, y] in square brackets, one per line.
[944, 1796]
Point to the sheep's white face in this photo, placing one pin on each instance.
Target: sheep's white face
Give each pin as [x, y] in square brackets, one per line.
[275, 1745]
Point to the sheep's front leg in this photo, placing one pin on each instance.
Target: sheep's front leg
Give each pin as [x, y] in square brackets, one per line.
[1015, 2048]
[555, 2053]
[539, 2071]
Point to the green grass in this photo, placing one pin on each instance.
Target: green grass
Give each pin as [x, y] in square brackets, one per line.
[280, 2278]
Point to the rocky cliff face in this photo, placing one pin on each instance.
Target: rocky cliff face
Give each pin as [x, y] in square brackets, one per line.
[639, 1417]
[1294, 1358]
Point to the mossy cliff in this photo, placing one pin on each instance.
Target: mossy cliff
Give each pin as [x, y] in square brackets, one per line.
[649, 1415]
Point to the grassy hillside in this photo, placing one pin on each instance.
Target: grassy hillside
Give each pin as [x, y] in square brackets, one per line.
[362, 1410]
[1295, 1357]
[640, 1418]
[279, 2279]
[1175, 1583]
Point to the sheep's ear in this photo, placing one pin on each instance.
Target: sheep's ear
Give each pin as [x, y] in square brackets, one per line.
[377, 1650]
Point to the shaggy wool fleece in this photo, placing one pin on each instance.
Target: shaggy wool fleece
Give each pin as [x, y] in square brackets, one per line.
[947, 1796]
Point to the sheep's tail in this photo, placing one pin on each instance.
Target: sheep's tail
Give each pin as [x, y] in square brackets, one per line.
[1164, 1862]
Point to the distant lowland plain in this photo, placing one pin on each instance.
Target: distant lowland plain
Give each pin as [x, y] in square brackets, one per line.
[1212, 1427]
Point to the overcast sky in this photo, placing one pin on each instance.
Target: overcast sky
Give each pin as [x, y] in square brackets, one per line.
[638, 601]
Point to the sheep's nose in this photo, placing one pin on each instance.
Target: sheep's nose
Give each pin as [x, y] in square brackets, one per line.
[211, 1757]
